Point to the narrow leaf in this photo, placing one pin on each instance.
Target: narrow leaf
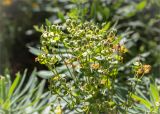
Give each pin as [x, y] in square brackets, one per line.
[142, 101]
[154, 93]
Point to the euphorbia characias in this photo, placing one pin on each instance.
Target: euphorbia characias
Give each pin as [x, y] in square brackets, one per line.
[85, 59]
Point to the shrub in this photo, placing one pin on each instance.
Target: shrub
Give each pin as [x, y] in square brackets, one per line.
[85, 59]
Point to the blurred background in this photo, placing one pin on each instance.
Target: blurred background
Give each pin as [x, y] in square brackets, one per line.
[139, 20]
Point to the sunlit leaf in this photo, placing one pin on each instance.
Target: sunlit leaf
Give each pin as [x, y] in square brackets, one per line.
[142, 101]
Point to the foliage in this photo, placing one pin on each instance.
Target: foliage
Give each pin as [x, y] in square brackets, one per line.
[22, 97]
[143, 30]
[89, 57]
[87, 60]
[147, 104]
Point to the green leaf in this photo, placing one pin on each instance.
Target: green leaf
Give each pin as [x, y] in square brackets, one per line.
[48, 23]
[117, 4]
[38, 29]
[154, 93]
[92, 9]
[141, 5]
[117, 40]
[105, 27]
[14, 85]
[106, 12]
[39, 91]
[45, 74]
[18, 89]
[144, 102]
[141, 94]
[34, 51]
[61, 16]
[74, 13]
[2, 89]
[11, 90]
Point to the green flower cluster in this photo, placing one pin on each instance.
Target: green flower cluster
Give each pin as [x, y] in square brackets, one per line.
[85, 59]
